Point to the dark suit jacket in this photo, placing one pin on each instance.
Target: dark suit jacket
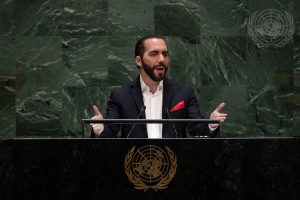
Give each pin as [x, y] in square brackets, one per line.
[127, 102]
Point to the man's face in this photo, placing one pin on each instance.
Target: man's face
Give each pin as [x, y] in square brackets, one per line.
[155, 59]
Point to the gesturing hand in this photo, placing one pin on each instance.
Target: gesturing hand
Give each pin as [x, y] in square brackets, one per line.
[97, 115]
[97, 128]
[216, 114]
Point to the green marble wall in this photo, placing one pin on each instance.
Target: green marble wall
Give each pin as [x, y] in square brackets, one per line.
[58, 58]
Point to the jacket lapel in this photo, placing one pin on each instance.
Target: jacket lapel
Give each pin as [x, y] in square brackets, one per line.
[167, 96]
[136, 92]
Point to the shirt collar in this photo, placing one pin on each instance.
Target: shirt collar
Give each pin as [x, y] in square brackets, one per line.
[145, 88]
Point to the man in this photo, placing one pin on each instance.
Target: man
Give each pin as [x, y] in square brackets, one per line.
[153, 96]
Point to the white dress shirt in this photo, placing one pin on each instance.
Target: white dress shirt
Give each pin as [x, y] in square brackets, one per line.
[153, 103]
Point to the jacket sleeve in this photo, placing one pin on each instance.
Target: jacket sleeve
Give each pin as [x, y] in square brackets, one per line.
[112, 112]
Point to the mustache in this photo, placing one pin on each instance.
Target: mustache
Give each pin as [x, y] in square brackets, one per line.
[159, 65]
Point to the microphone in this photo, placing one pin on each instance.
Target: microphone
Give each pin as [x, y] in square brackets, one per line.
[173, 125]
[143, 108]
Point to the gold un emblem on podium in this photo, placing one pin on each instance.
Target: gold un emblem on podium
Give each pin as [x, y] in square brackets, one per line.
[150, 167]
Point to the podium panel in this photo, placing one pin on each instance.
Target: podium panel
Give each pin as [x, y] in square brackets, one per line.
[150, 169]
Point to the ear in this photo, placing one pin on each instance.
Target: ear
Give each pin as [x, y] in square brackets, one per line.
[138, 61]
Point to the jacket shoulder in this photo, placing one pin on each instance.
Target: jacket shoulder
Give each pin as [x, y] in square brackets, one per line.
[121, 90]
[179, 85]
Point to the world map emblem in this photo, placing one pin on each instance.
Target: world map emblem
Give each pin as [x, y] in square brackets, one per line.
[150, 167]
[270, 28]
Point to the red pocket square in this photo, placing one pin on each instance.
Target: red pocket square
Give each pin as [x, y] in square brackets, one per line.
[179, 106]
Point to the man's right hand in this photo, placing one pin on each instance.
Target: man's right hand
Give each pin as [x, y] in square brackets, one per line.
[97, 128]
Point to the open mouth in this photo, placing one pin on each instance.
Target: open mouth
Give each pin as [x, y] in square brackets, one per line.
[160, 68]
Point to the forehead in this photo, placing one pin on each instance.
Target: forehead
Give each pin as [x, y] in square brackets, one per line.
[154, 44]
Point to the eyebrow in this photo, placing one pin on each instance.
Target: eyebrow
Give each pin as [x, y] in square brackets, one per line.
[155, 51]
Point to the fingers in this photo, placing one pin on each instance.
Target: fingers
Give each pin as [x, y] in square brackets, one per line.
[220, 107]
[98, 128]
[96, 110]
[217, 115]
[97, 117]
[222, 119]
[223, 115]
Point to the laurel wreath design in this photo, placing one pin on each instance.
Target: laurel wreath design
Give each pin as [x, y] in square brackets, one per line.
[260, 41]
[139, 184]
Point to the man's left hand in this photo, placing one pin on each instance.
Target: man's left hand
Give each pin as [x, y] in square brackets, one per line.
[216, 114]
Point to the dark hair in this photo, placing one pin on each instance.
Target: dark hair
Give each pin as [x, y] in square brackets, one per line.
[139, 47]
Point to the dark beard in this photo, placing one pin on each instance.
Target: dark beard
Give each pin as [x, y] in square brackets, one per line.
[150, 71]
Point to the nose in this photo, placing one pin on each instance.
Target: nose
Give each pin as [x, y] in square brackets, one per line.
[161, 58]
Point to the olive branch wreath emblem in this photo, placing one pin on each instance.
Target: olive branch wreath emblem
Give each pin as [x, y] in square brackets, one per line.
[273, 17]
[140, 184]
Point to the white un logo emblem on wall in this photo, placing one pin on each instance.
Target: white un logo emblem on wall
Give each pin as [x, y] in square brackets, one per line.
[270, 28]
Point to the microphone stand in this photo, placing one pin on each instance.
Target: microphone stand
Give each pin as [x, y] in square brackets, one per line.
[172, 124]
[132, 127]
